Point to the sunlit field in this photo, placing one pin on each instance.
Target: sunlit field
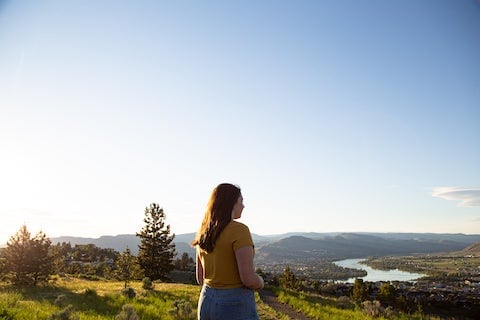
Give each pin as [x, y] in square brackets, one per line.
[322, 308]
[73, 298]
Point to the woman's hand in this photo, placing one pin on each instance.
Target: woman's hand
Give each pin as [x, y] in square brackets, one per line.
[262, 283]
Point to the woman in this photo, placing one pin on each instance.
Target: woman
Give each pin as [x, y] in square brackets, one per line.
[225, 259]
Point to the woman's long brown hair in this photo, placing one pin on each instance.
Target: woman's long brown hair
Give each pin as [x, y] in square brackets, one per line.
[218, 215]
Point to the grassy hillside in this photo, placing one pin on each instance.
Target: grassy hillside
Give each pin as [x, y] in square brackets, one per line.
[87, 300]
[474, 249]
[72, 298]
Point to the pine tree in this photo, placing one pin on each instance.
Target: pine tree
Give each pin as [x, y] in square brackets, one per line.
[288, 279]
[3, 264]
[387, 293]
[127, 267]
[42, 261]
[360, 290]
[27, 258]
[185, 263]
[156, 249]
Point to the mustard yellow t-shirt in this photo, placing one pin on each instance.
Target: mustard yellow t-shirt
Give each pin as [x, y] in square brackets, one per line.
[220, 265]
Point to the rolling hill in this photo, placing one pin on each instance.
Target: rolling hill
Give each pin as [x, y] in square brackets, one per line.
[473, 249]
[292, 246]
[350, 245]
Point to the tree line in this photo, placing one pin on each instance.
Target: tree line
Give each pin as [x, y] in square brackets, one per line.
[28, 260]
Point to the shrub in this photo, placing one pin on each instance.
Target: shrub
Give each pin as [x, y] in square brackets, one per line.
[90, 292]
[182, 310]
[147, 283]
[128, 313]
[65, 314]
[129, 292]
[60, 300]
[360, 290]
[288, 280]
[387, 294]
[343, 302]
[5, 315]
[375, 309]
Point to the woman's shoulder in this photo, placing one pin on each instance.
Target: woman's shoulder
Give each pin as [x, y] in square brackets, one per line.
[235, 225]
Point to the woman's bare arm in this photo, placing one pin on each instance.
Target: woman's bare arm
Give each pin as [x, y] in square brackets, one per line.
[247, 273]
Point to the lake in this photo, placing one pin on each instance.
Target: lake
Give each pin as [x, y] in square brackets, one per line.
[374, 275]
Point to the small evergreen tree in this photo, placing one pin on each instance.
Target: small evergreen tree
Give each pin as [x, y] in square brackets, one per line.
[3, 264]
[127, 267]
[156, 249]
[61, 255]
[387, 294]
[42, 261]
[185, 263]
[27, 258]
[288, 280]
[360, 290]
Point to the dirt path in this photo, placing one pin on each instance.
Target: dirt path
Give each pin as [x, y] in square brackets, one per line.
[270, 299]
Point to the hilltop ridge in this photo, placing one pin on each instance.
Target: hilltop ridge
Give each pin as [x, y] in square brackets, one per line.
[473, 249]
[301, 245]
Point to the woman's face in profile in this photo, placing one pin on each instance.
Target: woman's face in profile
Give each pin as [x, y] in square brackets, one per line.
[238, 208]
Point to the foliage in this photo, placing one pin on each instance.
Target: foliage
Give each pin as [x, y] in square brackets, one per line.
[360, 290]
[182, 310]
[156, 249]
[288, 280]
[321, 308]
[60, 300]
[27, 258]
[387, 293]
[83, 259]
[89, 292]
[3, 264]
[147, 283]
[374, 309]
[185, 263]
[316, 307]
[5, 315]
[128, 313]
[65, 314]
[129, 292]
[127, 267]
[101, 300]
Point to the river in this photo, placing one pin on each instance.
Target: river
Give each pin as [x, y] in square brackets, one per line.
[374, 275]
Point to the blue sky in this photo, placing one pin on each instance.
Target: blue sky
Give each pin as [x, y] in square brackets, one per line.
[330, 115]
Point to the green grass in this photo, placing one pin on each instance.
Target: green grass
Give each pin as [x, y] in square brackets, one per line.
[93, 300]
[322, 308]
[99, 300]
[265, 312]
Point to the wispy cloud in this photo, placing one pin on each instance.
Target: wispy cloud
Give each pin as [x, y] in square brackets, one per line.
[467, 197]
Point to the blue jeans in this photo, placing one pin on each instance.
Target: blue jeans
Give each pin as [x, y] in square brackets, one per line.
[227, 304]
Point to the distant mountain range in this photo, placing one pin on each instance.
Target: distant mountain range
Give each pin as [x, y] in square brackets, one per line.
[282, 248]
[353, 245]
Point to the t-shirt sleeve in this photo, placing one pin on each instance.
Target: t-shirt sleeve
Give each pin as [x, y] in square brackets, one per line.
[241, 237]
